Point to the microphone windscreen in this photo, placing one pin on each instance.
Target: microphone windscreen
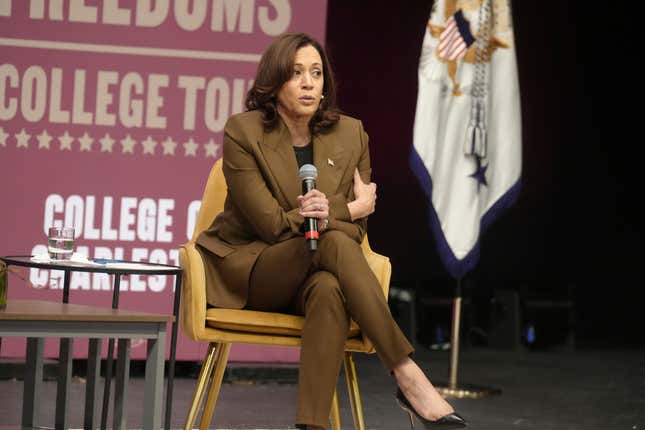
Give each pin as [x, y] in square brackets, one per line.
[308, 171]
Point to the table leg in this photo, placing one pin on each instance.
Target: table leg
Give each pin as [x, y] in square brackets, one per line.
[64, 366]
[152, 397]
[64, 380]
[33, 380]
[92, 388]
[110, 357]
[121, 384]
[173, 352]
[106, 387]
[66, 279]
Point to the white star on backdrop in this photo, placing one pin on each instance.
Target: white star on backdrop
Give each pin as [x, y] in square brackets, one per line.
[211, 149]
[128, 145]
[149, 146]
[43, 140]
[86, 142]
[22, 139]
[65, 141]
[169, 146]
[3, 137]
[106, 143]
[190, 148]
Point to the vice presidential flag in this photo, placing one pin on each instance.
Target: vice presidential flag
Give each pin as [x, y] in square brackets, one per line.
[467, 131]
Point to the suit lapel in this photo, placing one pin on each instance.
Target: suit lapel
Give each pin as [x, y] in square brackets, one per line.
[281, 160]
[328, 159]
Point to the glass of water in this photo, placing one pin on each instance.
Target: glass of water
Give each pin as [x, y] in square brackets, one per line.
[60, 243]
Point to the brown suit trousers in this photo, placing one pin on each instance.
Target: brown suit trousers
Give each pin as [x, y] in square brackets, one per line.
[328, 287]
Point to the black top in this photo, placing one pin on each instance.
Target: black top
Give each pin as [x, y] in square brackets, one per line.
[304, 154]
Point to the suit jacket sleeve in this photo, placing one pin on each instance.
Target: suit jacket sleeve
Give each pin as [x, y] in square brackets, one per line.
[340, 218]
[248, 190]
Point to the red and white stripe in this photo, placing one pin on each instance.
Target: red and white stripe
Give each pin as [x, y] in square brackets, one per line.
[451, 45]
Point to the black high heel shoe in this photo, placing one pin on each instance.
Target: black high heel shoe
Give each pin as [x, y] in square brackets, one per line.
[447, 422]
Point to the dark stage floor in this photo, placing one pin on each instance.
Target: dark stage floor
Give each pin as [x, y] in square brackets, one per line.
[586, 389]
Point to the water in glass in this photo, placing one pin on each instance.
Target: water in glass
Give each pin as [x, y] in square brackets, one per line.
[60, 243]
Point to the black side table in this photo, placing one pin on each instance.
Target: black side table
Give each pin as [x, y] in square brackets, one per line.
[65, 358]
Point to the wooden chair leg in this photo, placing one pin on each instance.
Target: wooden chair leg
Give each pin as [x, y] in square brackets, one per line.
[354, 394]
[202, 382]
[216, 383]
[335, 412]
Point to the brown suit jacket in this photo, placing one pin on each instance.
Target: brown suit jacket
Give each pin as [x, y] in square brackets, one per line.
[261, 206]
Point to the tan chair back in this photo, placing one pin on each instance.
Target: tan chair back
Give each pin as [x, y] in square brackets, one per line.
[212, 200]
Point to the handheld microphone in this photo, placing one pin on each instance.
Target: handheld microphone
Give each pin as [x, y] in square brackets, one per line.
[308, 173]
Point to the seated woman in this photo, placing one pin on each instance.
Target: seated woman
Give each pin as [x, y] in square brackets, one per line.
[255, 253]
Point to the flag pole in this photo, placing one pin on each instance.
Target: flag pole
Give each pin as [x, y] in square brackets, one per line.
[454, 337]
[452, 388]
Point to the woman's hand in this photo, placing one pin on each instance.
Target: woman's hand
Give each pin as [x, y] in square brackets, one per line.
[314, 204]
[365, 198]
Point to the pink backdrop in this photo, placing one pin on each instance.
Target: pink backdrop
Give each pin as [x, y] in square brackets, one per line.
[111, 115]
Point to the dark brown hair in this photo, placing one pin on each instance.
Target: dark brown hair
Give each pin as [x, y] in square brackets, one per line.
[276, 68]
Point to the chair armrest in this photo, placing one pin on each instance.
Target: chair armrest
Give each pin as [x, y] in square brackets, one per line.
[379, 264]
[382, 269]
[192, 313]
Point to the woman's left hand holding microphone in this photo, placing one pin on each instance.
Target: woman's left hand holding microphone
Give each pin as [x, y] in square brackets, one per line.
[314, 204]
